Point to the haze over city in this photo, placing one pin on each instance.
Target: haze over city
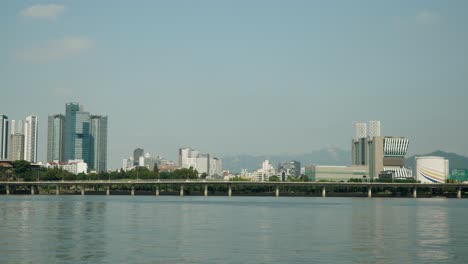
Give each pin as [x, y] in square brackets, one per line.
[241, 77]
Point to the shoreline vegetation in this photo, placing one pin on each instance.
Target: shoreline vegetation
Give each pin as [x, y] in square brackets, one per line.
[23, 177]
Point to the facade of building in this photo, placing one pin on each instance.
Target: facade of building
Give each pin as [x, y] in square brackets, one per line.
[203, 163]
[98, 143]
[336, 173]
[16, 127]
[380, 153]
[16, 147]
[294, 168]
[360, 130]
[374, 128]
[73, 166]
[127, 164]
[30, 139]
[56, 126]
[4, 132]
[432, 169]
[137, 153]
[78, 136]
[77, 133]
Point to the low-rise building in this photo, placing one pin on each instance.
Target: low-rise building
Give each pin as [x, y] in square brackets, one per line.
[336, 173]
[73, 166]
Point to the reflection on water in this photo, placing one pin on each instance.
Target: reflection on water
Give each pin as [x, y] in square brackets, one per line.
[433, 230]
[125, 229]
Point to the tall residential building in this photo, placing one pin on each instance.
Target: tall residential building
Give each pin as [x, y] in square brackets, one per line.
[98, 143]
[16, 127]
[3, 136]
[16, 147]
[56, 126]
[30, 139]
[84, 137]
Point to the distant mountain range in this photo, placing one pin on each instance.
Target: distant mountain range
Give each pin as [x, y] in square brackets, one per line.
[331, 156]
[455, 161]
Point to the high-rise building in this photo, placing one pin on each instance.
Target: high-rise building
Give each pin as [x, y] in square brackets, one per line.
[30, 139]
[98, 143]
[76, 136]
[137, 153]
[56, 126]
[16, 147]
[16, 127]
[84, 137]
[3, 136]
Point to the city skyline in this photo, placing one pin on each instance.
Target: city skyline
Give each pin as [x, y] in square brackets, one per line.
[235, 78]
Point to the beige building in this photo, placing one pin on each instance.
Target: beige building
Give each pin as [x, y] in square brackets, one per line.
[16, 147]
[381, 154]
[336, 173]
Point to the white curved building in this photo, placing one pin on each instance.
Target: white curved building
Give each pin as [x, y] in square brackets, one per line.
[432, 169]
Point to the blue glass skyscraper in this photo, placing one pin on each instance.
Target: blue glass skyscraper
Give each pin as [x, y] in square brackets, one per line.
[84, 137]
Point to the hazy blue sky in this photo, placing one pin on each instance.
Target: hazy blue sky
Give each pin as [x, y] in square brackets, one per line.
[232, 77]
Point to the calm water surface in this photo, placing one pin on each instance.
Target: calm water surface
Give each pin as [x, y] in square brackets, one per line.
[144, 229]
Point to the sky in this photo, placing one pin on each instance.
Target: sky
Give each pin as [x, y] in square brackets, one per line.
[241, 77]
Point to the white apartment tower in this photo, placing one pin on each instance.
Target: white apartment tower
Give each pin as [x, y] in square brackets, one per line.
[30, 139]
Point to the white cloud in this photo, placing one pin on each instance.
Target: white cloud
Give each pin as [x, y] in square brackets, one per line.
[50, 11]
[426, 17]
[56, 49]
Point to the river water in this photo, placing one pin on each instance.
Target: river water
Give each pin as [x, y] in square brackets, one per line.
[170, 229]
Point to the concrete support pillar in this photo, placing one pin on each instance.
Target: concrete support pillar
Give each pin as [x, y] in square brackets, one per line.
[132, 192]
[57, 190]
[157, 190]
[32, 190]
[82, 190]
[415, 192]
[229, 190]
[324, 192]
[205, 193]
[107, 190]
[181, 190]
[7, 189]
[277, 191]
[459, 193]
[369, 192]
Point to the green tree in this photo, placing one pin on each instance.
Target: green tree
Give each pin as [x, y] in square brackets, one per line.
[22, 170]
[185, 173]
[274, 178]
[156, 170]
[204, 175]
